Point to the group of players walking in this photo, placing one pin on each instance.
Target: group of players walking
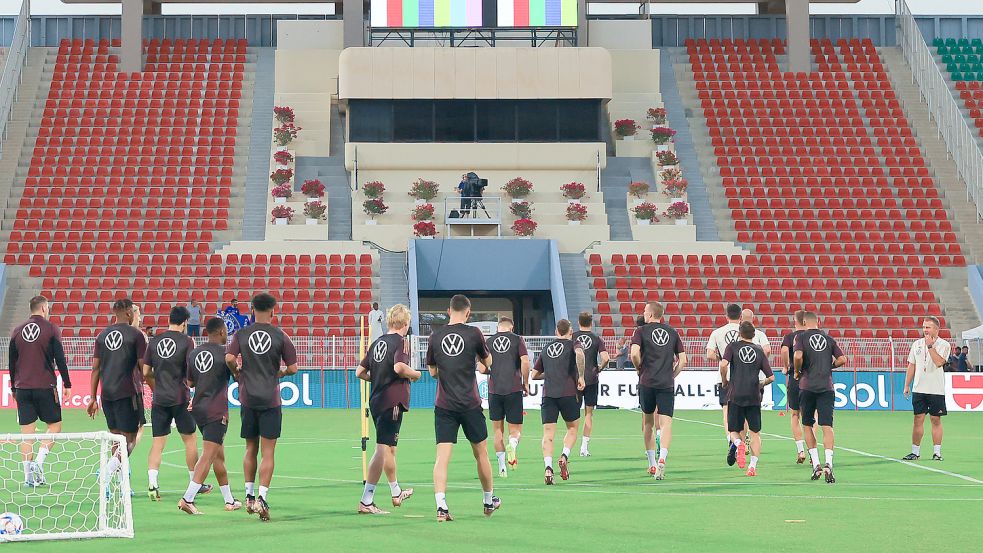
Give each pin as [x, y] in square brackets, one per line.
[260, 355]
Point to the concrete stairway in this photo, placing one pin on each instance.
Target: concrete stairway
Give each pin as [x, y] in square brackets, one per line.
[393, 286]
[614, 184]
[260, 143]
[331, 171]
[573, 267]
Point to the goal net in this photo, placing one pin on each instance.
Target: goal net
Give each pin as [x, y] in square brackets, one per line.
[73, 493]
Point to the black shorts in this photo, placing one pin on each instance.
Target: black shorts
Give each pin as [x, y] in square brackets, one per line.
[722, 395]
[125, 415]
[792, 393]
[554, 407]
[810, 402]
[214, 431]
[161, 418]
[387, 423]
[589, 396]
[651, 399]
[37, 404]
[928, 404]
[447, 423]
[505, 407]
[260, 423]
[737, 415]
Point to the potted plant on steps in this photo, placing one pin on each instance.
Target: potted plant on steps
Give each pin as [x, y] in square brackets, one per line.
[284, 114]
[666, 159]
[645, 213]
[626, 128]
[678, 210]
[661, 136]
[574, 192]
[282, 193]
[285, 134]
[374, 189]
[524, 228]
[675, 189]
[638, 190]
[424, 190]
[517, 189]
[373, 208]
[521, 209]
[282, 214]
[281, 176]
[425, 230]
[576, 213]
[422, 212]
[314, 211]
[312, 188]
[656, 115]
[283, 158]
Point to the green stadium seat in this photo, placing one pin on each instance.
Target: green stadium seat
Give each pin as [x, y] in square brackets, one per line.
[937, 42]
[950, 42]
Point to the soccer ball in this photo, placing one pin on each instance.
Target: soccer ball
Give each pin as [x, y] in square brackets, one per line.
[10, 523]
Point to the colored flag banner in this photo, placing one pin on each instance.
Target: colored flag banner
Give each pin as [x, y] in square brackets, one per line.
[426, 13]
[537, 13]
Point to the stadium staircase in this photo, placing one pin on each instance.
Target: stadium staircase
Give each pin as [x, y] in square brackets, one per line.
[614, 185]
[826, 185]
[331, 171]
[576, 289]
[260, 142]
[393, 283]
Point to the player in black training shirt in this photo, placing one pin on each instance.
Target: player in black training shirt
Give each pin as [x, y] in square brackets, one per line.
[508, 383]
[387, 366]
[34, 352]
[209, 375]
[116, 364]
[816, 355]
[561, 366]
[792, 385]
[263, 348]
[742, 361]
[452, 356]
[596, 357]
[166, 371]
[658, 356]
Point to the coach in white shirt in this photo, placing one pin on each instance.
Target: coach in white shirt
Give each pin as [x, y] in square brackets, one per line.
[760, 338]
[376, 318]
[928, 356]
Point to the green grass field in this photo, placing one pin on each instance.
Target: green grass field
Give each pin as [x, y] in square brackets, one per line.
[609, 504]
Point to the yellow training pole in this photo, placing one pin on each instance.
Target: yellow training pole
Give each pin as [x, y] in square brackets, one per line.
[364, 395]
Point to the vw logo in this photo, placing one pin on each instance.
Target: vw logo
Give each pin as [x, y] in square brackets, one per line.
[554, 350]
[379, 351]
[114, 340]
[817, 342]
[747, 354]
[731, 336]
[585, 341]
[452, 344]
[260, 342]
[166, 348]
[501, 344]
[204, 361]
[30, 332]
[660, 336]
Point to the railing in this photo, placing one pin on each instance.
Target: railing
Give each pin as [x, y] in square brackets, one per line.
[959, 138]
[16, 58]
[472, 211]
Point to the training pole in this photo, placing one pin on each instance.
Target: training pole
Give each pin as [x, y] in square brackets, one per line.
[364, 396]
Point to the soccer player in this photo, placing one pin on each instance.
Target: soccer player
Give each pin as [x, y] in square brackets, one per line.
[792, 386]
[209, 375]
[561, 366]
[597, 358]
[116, 364]
[387, 366]
[263, 348]
[451, 355]
[760, 338]
[718, 342]
[165, 369]
[816, 355]
[925, 362]
[508, 382]
[658, 356]
[34, 352]
[739, 369]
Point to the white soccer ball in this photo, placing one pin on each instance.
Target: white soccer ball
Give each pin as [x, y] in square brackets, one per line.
[10, 524]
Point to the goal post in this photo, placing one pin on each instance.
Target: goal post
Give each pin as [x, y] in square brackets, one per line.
[79, 497]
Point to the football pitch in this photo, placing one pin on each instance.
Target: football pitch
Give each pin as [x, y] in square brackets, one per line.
[609, 504]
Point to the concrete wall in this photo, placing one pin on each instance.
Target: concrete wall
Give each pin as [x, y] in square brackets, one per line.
[620, 34]
[306, 80]
[451, 265]
[310, 35]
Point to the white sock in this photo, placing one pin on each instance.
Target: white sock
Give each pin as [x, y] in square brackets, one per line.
[937, 449]
[548, 461]
[227, 493]
[441, 500]
[191, 475]
[487, 497]
[566, 451]
[42, 453]
[829, 457]
[800, 446]
[152, 477]
[916, 449]
[754, 461]
[27, 471]
[501, 459]
[193, 488]
[814, 455]
[514, 442]
[113, 465]
[584, 442]
[263, 490]
[395, 489]
[663, 453]
[650, 453]
[737, 442]
[250, 488]
[368, 494]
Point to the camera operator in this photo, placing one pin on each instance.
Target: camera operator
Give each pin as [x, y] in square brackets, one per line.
[473, 189]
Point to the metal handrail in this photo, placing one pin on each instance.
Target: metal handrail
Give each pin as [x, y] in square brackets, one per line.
[16, 59]
[960, 140]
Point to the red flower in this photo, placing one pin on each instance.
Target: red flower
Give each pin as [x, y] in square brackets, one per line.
[574, 190]
[312, 188]
[576, 212]
[425, 228]
[283, 114]
[373, 189]
[281, 176]
[626, 127]
[524, 227]
[282, 212]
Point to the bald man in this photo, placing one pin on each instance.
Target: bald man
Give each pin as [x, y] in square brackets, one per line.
[747, 316]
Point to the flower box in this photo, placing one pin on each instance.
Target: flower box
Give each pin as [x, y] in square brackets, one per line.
[626, 128]
[282, 214]
[280, 221]
[279, 200]
[574, 191]
[517, 188]
[371, 222]
[313, 188]
[681, 222]
[573, 223]
[311, 221]
[643, 222]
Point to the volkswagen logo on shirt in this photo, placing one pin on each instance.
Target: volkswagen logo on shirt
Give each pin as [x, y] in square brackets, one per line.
[452, 345]
[114, 340]
[747, 354]
[817, 342]
[554, 350]
[204, 361]
[379, 351]
[31, 332]
[501, 344]
[660, 336]
[166, 348]
[585, 341]
[260, 342]
[731, 336]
